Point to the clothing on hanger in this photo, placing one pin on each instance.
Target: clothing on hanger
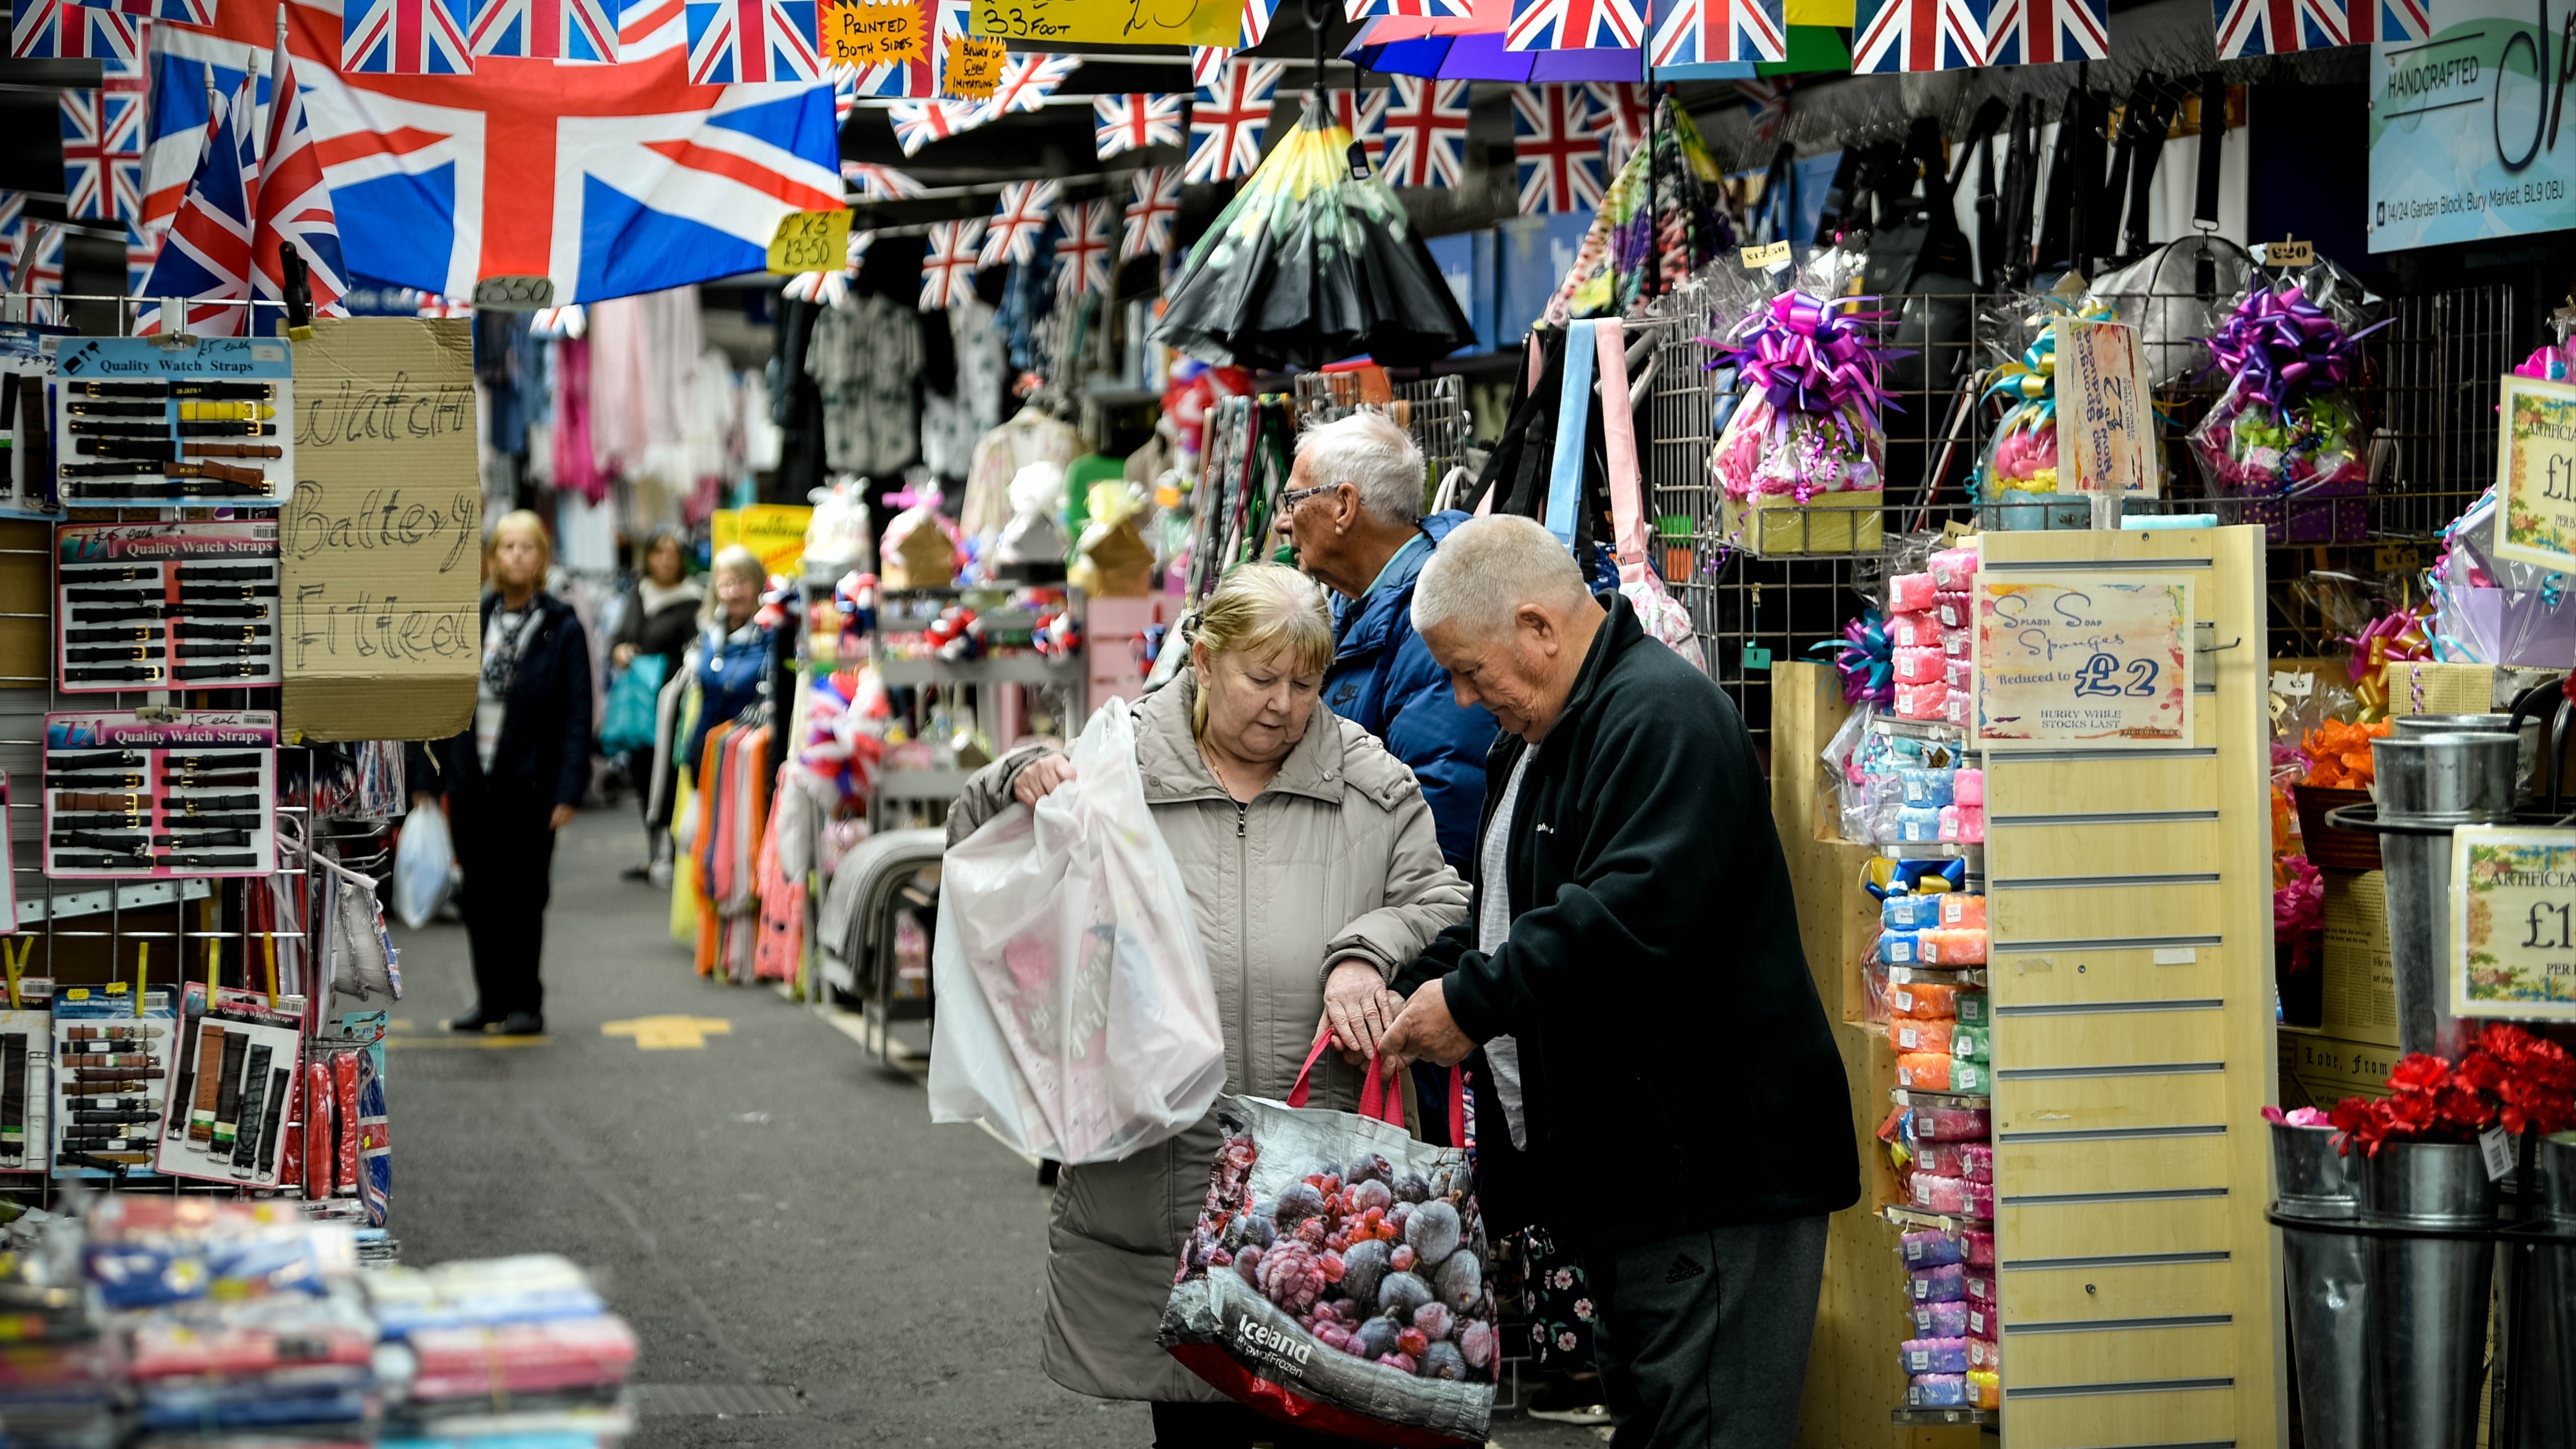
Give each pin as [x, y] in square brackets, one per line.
[1031, 436]
[865, 357]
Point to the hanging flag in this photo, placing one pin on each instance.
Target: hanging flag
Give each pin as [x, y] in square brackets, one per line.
[141, 247]
[1442, 9]
[40, 264]
[205, 259]
[1256, 23]
[186, 12]
[918, 123]
[1207, 62]
[845, 90]
[404, 37]
[103, 151]
[1555, 149]
[753, 41]
[1362, 113]
[1574, 25]
[2038, 32]
[1426, 132]
[583, 30]
[1027, 80]
[2276, 27]
[647, 28]
[1134, 122]
[1019, 219]
[1704, 32]
[1082, 248]
[948, 268]
[1619, 111]
[68, 30]
[941, 22]
[294, 202]
[1918, 35]
[188, 68]
[879, 183]
[1226, 122]
[13, 225]
[1153, 202]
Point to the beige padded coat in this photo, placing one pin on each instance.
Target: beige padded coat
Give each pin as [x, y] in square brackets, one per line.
[1337, 858]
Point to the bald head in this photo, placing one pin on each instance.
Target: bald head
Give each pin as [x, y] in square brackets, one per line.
[1503, 609]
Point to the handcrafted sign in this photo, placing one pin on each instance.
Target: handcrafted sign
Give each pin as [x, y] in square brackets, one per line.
[2465, 140]
[810, 241]
[974, 68]
[2104, 426]
[775, 531]
[2536, 468]
[2513, 923]
[1124, 22]
[867, 32]
[2069, 659]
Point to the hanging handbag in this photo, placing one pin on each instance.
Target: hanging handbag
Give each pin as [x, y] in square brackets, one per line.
[628, 720]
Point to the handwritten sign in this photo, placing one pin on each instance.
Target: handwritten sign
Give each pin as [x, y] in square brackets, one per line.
[2076, 659]
[382, 543]
[775, 531]
[2513, 923]
[2536, 467]
[1129, 22]
[2103, 422]
[872, 32]
[974, 69]
[810, 241]
[1757, 258]
[2286, 253]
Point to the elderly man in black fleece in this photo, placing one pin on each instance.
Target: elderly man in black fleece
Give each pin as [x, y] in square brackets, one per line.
[1630, 964]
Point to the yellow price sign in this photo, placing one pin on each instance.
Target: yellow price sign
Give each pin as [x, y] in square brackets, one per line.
[1128, 22]
[1757, 258]
[872, 32]
[810, 241]
[974, 69]
[775, 531]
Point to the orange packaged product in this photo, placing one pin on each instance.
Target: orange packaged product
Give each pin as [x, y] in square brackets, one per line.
[1953, 946]
[1958, 908]
[1908, 1035]
[1924, 1002]
[1927, 1071]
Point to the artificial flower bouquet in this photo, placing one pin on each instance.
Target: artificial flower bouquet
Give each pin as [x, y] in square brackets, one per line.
[2507, 1079]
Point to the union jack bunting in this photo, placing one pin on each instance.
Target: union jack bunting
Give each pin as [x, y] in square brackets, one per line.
[39, 268]
[2037, 32]
[1256, 23]
[1574, 25]
[1700, 32]
[1362, 113]
[1135, 121]
[186, 12]
[918, 123]
[1555, 149]
[845, 90]
[141, 248]
[67, 30]
[752, 40]
[1207, 62]
[103, 151]
[13, 225]
[1919, 35]
[823, 289]
[1154, 199]
[1227, 120]
[1019, 219]
[1446, 9]
[1619, 113]
[405, 37]
[879, 183]
[941, 21]
[294, 202]
[948, 268]
[1426, 132]
[584, 30]
[205, 258]
[2277, 27]
[1027, 80]
[1082, 248]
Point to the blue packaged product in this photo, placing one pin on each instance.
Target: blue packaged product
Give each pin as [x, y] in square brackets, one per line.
[1899, 948]
[1931, 1250]
[1927, 786]
[1937, 1391]
[1909, 912]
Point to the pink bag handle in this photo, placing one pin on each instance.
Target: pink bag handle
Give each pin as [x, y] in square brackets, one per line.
[1619, 440]
[1378, 1100]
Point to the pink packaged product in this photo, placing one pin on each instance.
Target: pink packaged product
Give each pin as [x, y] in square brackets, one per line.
[1909, 593]
[1965, 824]
[1916, 663]
[1980, 1319]
[1956, 671]
[1977, 1164]
[1979, 1291]
[1928, 700]
[1979, 1246]
[1958, 908]
[1911, 629]
[1968, 787]
[1985, 1355]
[1951, 1124]
[1954, 569]
[1959, 643]
[1942, 1159]
[1955, 1195]
[1951, 610]
[1954, 708]
[1940, 1320]
[1945, 1284]
[1934, 1355]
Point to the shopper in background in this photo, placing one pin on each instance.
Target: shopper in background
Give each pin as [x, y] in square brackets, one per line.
[733, 649]
[661, 617]
[1313, 865]
[1353, 510]
[515, 777]
[1633, 951]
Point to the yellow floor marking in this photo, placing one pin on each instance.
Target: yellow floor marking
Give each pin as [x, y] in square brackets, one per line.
[666, 1033]
[480, 1043]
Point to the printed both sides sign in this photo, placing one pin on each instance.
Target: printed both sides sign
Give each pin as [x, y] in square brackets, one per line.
[2465, 141]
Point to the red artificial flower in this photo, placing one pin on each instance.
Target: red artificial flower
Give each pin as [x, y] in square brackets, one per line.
[2419, 1073]
[2480, 1071]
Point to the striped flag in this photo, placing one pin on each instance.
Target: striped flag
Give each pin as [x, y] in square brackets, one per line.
[1134, 122]
[1153, 203]
[293, 204]
[206, 256]
[404, 37]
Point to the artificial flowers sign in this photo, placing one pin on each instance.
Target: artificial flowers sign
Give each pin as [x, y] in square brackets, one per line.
[2077, 659]
[2513, 923]
[2536, 473]
[2103, 422]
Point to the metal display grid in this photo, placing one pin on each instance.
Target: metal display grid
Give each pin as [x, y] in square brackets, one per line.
[1433, 410]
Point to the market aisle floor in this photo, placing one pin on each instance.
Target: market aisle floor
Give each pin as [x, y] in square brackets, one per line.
[773, 1212]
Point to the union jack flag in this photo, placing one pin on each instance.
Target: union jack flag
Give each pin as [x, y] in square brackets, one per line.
[1082, 248]
[1446, 9]
[36, 261]
[293, 205]
[1919, 35]
[1574, 25]
[404, 37]
[103, 151]
[1135, 121]
[2277, 27]
[68, 30]
[879, 183]
[2037, 32]
[141, 248]
[1426, 132]
[1363, 114]
[1154, 200]
[584, 30]
[1700, 32]
[1256, 23]
[1019, 219]
[206, 256]
[1555, 149]
[918, 123]
[1027, 80]
[823, 289]
[13, 227]
[1226, 121]
[1207, 62]
[1619, 114]
[186, 12]
[948, 268]
[753, 40]
[941, 22]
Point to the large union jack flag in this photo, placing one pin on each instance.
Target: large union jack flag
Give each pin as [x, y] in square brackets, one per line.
[206, 257]
[1135, 121]
[1555, 149]
[405, 37]
[1426, 132]
[1227, 120]
[754, 40]
[1919, 35]
[103, 151]
[582, 30]
[1019, 219]
[68, 30]
[948, 268]
[1574, 25]
[1153, 201]
[1082, 248]
[2038, 32]
[1702, 32]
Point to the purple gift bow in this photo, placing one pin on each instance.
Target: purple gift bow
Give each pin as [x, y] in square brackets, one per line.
[2278, 342]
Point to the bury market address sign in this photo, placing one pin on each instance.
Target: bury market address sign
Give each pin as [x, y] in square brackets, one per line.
[2465, 133]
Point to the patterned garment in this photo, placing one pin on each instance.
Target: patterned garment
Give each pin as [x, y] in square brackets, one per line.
[866, 357]
[1557, 1304]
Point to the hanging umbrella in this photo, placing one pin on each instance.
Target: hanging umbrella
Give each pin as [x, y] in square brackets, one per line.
[1309, 265]
[1611, 266]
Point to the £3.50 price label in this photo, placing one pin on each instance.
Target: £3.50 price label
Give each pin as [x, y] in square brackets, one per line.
[810, 241]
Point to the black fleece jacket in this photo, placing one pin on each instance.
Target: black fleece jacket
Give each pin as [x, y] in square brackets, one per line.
[1678, 1072]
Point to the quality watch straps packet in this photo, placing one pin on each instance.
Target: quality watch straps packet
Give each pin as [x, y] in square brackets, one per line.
[239, 1068]
[177, 793]
[26, 1075]
[166, 606]
[139, 421]
[107, 1110]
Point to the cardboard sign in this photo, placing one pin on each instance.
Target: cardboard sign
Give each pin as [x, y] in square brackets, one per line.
[1123, 22]
[974, 68]
[2536, 463]
[810, 241]
[775, 531]
[2513, 923]
[2104, 424]
[2076, 659]
[866, 32]
[380, 617]
[2289, 253]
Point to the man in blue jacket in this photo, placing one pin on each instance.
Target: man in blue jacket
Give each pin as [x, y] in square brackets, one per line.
[1353, 511]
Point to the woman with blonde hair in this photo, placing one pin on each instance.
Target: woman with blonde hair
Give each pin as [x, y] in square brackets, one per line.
[1313, 866]
[516, 775]
[732, 652]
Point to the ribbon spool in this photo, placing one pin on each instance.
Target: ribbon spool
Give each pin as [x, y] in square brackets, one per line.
[2396, 638]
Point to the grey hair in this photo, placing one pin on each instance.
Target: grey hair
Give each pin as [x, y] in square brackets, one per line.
[1487, 568]
[1369, 452]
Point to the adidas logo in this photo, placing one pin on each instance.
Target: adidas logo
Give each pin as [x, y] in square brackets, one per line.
[1683, 1269]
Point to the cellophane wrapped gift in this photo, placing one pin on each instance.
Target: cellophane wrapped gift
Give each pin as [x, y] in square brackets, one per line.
[2017, 477]
[2287, 437]
[1811, 372]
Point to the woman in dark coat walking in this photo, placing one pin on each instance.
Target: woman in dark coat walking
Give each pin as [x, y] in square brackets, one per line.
[661, 618]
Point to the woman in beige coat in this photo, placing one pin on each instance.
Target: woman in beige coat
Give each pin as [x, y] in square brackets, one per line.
[1313, 865]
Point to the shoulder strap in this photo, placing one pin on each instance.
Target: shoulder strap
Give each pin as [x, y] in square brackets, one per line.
[1574, 400]
[1619, 439]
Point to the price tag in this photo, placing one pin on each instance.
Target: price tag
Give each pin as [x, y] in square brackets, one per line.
[1757, 258]
[872, 32]
[2074, 658]
[1756, 657]
[810, 241]
[2293, 686]
[2289, 254]
[2497, 1149]
[2512, 951]
[974, 68]
[2536, 456]
[514, 294]
[2105, 429]
[2395, 558]
[1119, 22]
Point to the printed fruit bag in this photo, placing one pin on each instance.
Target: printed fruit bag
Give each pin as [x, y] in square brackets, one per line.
[1336, 1279]
[1076, 1015]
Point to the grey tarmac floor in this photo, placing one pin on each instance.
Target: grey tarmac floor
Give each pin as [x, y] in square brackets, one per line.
[806, 1259]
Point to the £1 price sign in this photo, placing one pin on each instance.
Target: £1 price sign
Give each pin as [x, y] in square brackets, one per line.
[2075, 659]
[2513, 923]
[2536, 473]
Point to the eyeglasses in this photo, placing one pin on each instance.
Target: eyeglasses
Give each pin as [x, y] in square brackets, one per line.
[1288, 501]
